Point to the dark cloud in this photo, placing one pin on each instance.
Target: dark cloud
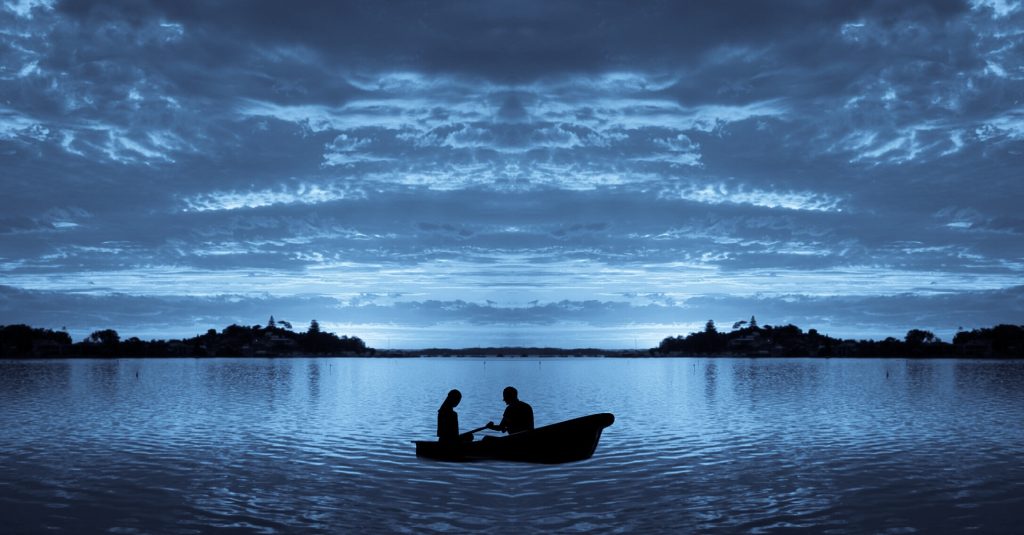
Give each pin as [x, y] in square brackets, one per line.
[485, 156]
[510, 40]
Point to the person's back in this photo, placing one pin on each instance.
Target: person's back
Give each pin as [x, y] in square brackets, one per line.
[448, 419]
[518, 417]
[447, 425]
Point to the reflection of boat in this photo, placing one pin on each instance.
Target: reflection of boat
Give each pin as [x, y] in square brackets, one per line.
[571, 440]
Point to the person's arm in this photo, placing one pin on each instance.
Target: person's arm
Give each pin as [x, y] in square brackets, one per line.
[503, 426]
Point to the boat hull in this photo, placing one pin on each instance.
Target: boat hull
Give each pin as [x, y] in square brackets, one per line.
[568, 441]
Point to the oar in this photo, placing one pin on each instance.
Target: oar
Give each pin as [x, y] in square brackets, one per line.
[470, 432]
[477, 430]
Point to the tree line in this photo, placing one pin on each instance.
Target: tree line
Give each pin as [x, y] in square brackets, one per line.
[746, 338]
[274, 339]
[750, 339]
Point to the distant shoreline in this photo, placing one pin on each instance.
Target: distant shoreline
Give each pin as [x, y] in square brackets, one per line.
[745, 340]
[456, 354]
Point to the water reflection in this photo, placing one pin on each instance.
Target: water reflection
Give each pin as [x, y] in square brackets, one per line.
[26, 378]
[313, 369]
[710, 381]
[322, 445]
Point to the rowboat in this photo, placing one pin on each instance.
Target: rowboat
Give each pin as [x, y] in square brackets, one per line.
[568, 441]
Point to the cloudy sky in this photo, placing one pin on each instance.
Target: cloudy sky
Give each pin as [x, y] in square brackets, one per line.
[524, 173]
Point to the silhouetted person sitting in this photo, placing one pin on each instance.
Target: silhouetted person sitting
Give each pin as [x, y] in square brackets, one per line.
[448, 420]
[518, 415]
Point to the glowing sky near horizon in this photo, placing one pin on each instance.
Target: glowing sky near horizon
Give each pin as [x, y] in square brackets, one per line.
[596, 174]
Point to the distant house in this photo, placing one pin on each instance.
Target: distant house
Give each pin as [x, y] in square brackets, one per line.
[273, 344]
[751, 343]
[280, 341]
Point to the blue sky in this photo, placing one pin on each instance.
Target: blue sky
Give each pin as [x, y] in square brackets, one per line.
[525, 173]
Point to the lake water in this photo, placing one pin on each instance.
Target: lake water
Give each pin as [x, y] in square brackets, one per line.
[323, 445]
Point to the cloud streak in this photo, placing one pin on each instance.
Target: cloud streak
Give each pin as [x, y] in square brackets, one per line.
[540, 169]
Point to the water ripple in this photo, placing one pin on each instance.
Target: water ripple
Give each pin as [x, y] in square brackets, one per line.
[322, 446]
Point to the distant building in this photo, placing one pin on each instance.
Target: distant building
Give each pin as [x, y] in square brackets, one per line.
[751, 343]
[273, 344]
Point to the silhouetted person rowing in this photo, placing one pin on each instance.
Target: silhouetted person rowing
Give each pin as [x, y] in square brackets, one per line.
[561, 442]
[518, 415]
[448, 419]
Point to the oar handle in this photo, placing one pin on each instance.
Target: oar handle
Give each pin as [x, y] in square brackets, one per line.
[478, 429]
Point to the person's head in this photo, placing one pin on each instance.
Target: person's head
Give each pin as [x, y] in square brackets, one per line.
[510, 394]
[453, 399]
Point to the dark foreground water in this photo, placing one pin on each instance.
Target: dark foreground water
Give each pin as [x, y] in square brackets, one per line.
[323, 445]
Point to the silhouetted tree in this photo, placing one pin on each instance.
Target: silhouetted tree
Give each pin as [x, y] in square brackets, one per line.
[999, 341]
[271, 324]
[235, 340]
[135, 346]
[917, 337]
[102, 343]
[107, 337]
[25, 341]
